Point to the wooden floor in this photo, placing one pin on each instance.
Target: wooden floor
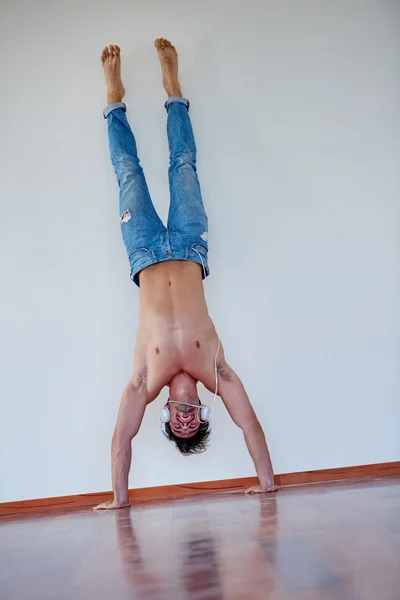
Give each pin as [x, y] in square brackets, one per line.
[318, 542]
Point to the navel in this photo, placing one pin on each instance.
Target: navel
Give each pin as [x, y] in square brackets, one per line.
[197, 344]
[157, 350]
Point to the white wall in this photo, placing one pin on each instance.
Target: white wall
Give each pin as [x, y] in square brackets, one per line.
[296, 110]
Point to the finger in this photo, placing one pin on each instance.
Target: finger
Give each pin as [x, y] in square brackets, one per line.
[103, 506]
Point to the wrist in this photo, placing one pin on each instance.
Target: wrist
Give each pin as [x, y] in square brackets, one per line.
[267, 481]
[121, 497]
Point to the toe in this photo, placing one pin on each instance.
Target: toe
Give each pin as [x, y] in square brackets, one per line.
[167, 43]
[111, 50]
[117, 50]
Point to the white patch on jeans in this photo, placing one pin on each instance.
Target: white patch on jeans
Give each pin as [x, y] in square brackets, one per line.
[126, 216]
[204, 236]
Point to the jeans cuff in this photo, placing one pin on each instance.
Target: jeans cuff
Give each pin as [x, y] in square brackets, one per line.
[112, 107]
[177, 99]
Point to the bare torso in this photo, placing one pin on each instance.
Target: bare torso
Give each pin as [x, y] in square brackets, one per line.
[175, 332]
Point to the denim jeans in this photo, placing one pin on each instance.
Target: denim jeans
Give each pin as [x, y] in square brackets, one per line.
[146, 239]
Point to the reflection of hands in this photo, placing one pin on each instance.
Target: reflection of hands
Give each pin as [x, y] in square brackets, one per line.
[142, 582]
[112, 505]
[262, 489]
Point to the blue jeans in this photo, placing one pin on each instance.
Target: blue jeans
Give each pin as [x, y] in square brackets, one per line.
[146, 239]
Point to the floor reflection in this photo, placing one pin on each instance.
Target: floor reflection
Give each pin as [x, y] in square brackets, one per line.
[200, 568]
[194, 564]
[240, 549]
[145, 584]
[328, 542]
[292, 557]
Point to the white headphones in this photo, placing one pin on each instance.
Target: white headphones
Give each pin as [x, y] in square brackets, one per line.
[205, 411]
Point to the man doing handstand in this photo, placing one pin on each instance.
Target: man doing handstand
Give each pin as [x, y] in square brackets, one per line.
[177, 344]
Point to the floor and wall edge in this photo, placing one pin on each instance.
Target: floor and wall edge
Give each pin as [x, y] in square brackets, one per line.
[169, 492]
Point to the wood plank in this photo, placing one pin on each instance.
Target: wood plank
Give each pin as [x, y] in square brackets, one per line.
[170, 492]
[319, 542]
[163, 492]
[337, 474]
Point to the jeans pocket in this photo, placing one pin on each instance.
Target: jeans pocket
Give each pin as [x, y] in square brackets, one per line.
[201, 251]
[141, 252]
[140, 258]
[200, 247]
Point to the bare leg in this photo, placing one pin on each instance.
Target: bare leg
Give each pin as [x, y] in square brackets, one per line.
[169, 66]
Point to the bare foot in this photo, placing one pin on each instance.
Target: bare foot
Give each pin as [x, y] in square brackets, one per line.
[111, 61]
[169, 66]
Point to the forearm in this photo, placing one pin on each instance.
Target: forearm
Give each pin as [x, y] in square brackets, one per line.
[258, 449]
[130, 415]
[121, 456]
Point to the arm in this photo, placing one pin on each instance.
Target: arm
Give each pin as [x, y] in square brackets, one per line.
[237, 402]
[130, 415]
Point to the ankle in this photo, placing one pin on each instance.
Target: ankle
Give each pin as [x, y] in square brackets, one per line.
[173, 90]
[113, 97]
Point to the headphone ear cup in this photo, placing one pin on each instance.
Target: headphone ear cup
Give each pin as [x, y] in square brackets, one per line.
[205, 413]
[165, 415]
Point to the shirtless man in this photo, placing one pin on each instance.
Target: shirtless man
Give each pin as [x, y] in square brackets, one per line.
[177, 344]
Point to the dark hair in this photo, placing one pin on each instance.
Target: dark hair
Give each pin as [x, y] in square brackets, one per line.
[193, 445]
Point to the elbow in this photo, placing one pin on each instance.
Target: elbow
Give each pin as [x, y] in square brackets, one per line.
[120, 442]
[251, 427]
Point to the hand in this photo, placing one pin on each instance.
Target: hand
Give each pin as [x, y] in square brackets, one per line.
[260, 489]
[112, 505]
